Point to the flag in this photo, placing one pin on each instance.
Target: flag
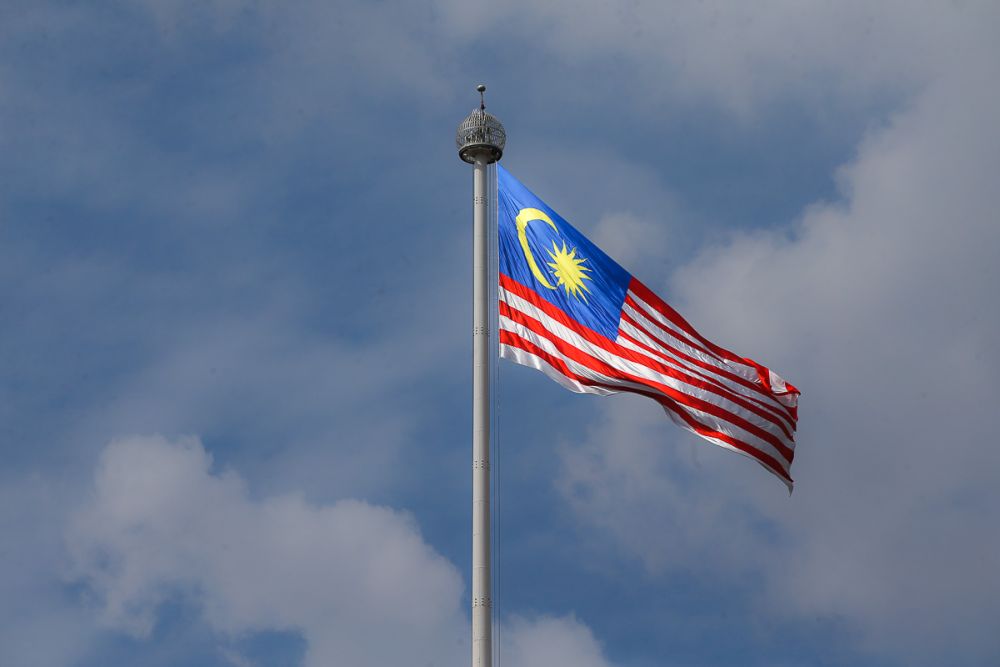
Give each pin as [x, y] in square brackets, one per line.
[572, 312]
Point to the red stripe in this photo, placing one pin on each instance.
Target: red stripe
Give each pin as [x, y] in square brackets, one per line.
[603, 342]
[774, 411]
[633, 301]
[664, 309]
[600, 341]
[774, 405]
[514, 340]
[600, 366]
[687, 357]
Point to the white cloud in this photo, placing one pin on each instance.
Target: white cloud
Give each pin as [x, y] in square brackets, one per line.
[323, 395]
[649, 488]
[744, 56]
[616, 234]
[893, 285]
[346, 576]
[356, 580]
[882, 309]
[38, 624]
[549, 641]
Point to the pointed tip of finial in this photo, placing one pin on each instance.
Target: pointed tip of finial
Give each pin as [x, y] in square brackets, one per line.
[482, 96]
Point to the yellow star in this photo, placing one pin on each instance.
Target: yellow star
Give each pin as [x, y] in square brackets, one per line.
[569, 269]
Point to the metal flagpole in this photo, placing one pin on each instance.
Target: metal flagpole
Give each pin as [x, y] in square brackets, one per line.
[480, 140]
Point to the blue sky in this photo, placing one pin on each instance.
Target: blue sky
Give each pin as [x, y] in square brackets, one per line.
[235, 261]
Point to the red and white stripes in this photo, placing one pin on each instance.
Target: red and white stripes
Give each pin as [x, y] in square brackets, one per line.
[726, 399]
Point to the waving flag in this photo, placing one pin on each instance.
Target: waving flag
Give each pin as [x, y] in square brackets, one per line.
[570, 311]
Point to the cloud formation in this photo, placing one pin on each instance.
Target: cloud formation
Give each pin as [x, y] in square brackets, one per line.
[546, 641]
[348, 576]
[881, 307]
[193, 241]
[357, 581]
[746, 57]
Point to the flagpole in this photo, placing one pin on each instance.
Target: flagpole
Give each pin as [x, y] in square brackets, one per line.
[480, 141]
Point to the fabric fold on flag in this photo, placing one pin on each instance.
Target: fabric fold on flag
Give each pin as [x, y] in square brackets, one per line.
[570, 311]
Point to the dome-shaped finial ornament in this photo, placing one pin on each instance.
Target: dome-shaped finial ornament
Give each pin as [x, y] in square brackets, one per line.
[481, 134]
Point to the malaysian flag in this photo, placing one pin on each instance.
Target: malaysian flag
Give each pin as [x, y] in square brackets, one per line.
[572, 312]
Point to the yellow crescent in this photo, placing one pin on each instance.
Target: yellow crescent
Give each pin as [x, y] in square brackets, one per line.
[524, 216]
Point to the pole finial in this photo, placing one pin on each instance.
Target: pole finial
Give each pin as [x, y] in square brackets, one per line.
[480, 134]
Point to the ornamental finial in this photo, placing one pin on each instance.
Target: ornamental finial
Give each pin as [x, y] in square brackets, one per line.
[481, 134]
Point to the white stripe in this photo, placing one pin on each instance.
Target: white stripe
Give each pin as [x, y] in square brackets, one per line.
[667, 324]
[640, 370]
[711, 376]
[745, 370]
[709, 420]
[667, 357]
[525, 358]
[575, 367]
[644, 319]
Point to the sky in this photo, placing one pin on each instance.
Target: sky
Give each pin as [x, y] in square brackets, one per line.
[235, 361]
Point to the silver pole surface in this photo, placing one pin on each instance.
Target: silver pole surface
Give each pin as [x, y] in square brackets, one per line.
[480, 141]
[482, 599]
